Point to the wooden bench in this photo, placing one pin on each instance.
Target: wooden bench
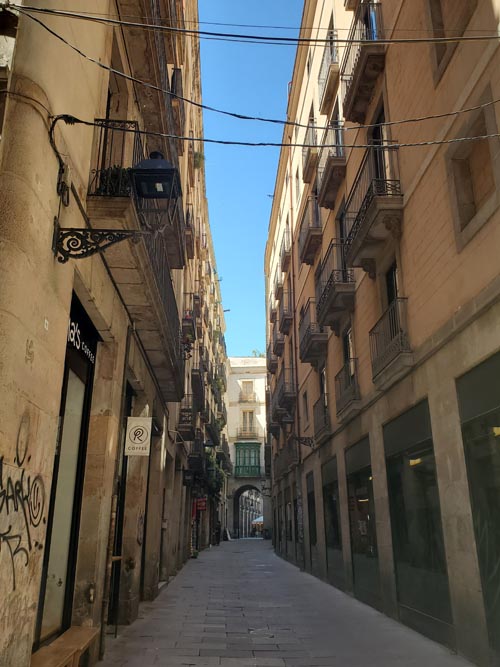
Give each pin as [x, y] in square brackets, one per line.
[66, 650]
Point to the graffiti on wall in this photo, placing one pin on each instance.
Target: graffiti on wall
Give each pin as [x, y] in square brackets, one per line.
[22, 505]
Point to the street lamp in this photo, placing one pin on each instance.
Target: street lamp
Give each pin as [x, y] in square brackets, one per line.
[155, 181]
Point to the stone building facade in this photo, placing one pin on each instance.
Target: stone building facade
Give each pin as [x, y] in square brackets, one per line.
[246, 426]
[383, 313]
[86, 342]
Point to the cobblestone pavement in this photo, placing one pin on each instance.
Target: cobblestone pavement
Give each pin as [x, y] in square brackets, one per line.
[239, 605]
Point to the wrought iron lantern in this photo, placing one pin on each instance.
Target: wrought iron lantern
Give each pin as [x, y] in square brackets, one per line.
[156, 190]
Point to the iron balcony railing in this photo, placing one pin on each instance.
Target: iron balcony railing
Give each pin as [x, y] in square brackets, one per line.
[311, 139]
[332, 146]
[311, 221]
[278, 283]
[285, 386]
[285, 250]
[248, 397]
[321, 416]
[247, 471]
[346, 384]
[333, 271]
[389, 337]
[278, 342]
[285, 312]
[250, 432]
[308, 325]
[187, 417]
[330, 57]
[287, 457]
[367, 26]
[378, 176]
[272, 359]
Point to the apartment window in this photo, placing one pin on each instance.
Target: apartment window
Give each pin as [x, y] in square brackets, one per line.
[309, 63]
[448, 18]
[247, 459]
[391, 283]
[247, 420]
[305, 404]
[297, 186]
[474, 170]
[247, 389]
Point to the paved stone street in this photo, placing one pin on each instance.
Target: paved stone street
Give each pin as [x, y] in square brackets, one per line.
[239, 605]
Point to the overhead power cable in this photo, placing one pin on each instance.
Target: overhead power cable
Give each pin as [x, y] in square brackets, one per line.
[240, 116]
[73, 120]
[267, 39]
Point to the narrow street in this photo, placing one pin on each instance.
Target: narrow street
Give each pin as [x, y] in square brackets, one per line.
[239, 605]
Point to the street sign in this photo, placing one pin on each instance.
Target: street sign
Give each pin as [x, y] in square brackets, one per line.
[201, 504]
[138, 437]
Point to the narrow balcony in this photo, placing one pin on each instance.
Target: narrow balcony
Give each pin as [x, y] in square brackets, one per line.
[187, 418]
[178, 109]
[188, 321]
[213, 429]
[322, 426]
[140, 270]
[310, 153]
[278, 285]
[313, 339]
[285, 313]
[197, 456]
[273, 427]
[198, 378]
[286, 251]
[278, 342]
[189, 232]
[311, 232]
[285, 389]
[222, 415]
[248, 433]
[273, 311]
[222, 375]
[277, 412]
[332, 166]
[248, 471]
[335, 289]
[374, 208]
[272, 360]
[347, 396]
[328, 79]
[364, 60]
[389, 345]
[248, 397]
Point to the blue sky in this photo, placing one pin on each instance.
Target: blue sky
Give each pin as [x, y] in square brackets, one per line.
[250, 79]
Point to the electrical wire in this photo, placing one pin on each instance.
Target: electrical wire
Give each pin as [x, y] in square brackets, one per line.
[73, 120]
[240, 116]
[267, 39]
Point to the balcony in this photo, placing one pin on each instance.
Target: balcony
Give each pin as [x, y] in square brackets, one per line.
[140, 270]
[311, 232]
[278, 342]
[272, 310]
[248, 397]
[322, 426]
[197, 456]
[223, 456]
[363, 60]
[178, 107]
[285, 389]
[313, 339]
[389, 345]
[332, 166]
[213, 429]
[189, 232]
[198, 378]
[286, 459]
[335, 289]
[286, 251]
[310, 153]
[277, 412]
[187, 418]
[221, 375]
[189, 321]
[347, 396]
[248, 471]
[285, 313]
[222, 415]
[374, 209]
[272, 360]
[328, 79]
[278, 285]
[248, 433]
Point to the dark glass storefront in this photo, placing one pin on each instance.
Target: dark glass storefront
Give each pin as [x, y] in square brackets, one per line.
[366, 579]
[333, 533]
[479, 401]
[417, 536]
[311, 513]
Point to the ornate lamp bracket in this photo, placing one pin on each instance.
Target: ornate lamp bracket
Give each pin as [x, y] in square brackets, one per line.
[307, 442]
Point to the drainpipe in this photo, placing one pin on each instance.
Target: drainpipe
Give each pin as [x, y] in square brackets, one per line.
[298, 482]
[114, 506]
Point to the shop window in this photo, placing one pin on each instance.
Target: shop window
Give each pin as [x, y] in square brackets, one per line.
[311, 510]
[288, 514]
[417, 535]
[333, 532]
[362, 523]
[479, 402]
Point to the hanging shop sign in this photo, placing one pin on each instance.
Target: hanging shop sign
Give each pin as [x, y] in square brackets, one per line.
[82, 335]
[138, 436]
[201, 504]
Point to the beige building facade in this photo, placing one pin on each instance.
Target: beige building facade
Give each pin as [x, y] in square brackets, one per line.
[383, 315]
[248, 494]
[91, 522]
